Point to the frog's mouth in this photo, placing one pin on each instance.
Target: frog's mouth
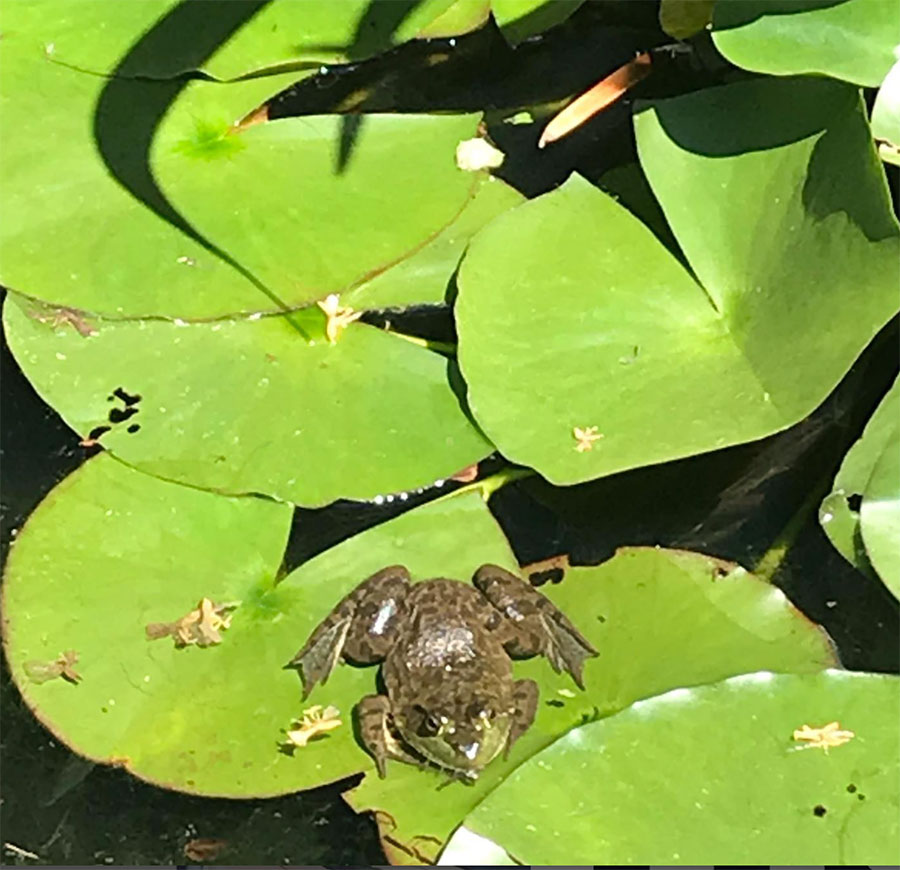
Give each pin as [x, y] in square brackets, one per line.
[465, 759]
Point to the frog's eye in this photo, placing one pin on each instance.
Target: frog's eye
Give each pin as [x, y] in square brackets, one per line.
[433, 723]
[430, 723]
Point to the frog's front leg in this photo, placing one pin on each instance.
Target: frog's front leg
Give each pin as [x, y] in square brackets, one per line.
[362, 627]
[525, 698]
[373, 718]
[534, 624]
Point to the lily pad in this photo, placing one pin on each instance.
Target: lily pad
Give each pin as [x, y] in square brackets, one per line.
[660, 619]
[111, 550]
[166, 38]
[519, 19]
[167, 197]
[462, 16]
[247, 406]
[300, 223]
[879, 514]
[838, 514]
[423, 277]
[573, 317]
[712, 775]
[886, 116]
[853, 40]
[684, 18]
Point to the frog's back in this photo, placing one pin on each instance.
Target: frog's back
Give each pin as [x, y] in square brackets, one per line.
[446, 636]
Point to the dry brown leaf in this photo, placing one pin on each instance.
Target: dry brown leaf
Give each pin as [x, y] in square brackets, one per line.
[200, 627]
[62, 666]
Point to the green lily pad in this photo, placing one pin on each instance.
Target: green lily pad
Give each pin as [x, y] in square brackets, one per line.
[879, 514]
[684, 18]
[660, 619]
[839, 520]
[853, 40]
[178, 214]
[462, 16]
[166, 38]
[300, 224]
[519, 19]
[111, 550]
[572, 315]
[711, 775]
[247, 406]
[886, 111]
[423, 277]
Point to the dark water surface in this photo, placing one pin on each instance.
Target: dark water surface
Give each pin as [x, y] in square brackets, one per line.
[732, 503]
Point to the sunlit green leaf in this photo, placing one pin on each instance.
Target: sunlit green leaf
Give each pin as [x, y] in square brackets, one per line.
[111, 550]
[165, 38]
[248, 406]
[886, 111]
[153, 203]
[660, 619]
[853, 40]
[837, 515]
[879, 514]
[712, 775]
[573, 317]
[519, 19]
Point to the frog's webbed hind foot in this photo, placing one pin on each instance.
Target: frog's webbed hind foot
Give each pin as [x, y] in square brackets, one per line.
[373, 719]
[534, 624]
[361, 627]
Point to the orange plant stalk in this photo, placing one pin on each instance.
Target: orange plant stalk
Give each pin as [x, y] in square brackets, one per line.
[596, 99]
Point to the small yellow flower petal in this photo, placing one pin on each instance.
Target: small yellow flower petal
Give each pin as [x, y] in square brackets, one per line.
[339, 317]
[827, 737]
[314, 721]
[585, 437]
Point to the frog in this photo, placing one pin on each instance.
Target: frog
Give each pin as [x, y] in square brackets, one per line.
[445, 650]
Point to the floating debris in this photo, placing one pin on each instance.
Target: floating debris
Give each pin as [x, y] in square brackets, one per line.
[586, 437]
[826, 737]
[204, 849]
[339, 316]
[473, 155]
[314, 722]
[201, 627]
[62, 666]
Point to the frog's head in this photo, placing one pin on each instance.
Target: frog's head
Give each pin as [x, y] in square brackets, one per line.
[464, 737]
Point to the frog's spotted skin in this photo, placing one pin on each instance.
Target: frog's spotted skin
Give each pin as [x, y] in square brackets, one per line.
[445, 650]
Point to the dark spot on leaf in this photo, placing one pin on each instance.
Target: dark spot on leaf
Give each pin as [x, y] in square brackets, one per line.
[134, 427]
[555, 703]
[127, 398]
[851, 788]
[551, 575]
[601, 617]
[860, 797]
[854, 502]
[819, 810]
[117, 415]
[95, 433]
